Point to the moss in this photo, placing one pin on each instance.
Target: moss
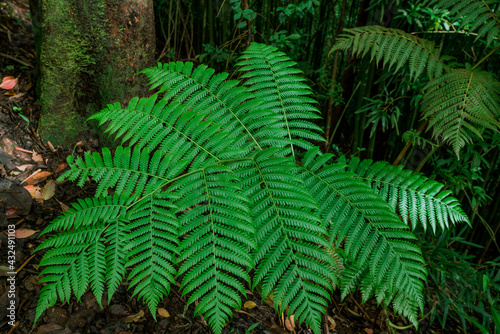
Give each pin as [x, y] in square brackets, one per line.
[86, 61]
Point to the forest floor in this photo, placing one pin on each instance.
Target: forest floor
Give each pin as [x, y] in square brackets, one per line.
[30, 198]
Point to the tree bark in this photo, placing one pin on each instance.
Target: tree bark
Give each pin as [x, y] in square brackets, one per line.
[89, 53]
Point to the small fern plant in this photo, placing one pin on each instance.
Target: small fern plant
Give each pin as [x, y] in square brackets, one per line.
[210, 193]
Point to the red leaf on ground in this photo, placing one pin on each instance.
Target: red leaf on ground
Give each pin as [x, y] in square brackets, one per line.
[8, 83]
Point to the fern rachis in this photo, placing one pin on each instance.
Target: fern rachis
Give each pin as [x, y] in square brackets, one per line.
[210, 194]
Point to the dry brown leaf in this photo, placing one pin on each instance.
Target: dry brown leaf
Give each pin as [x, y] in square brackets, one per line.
[32, 190]
[368, 331]
[10, 93]
[164, 313]
[37, 178]
[37, 157]
[49, 190]
[61, 167]
[22, 168]
[133, 317]
[290, 323]
[12, 212]
[64, 207]
[249, 304]
[332, 322]
[22, 233]
[49, 328]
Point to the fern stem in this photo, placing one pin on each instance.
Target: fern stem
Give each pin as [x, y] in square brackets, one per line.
[486, 57]
[428, 156]
[340, 119]
[184, 175]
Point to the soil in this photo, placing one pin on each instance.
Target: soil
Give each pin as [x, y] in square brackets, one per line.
[31, 197]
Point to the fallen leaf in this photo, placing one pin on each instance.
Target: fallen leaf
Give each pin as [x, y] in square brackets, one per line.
[368, 331]
[37, 157]
[164, 313]
[4, 270]
[290, 323]
[11, 212]
[10, 93]
[49, 190]
[37, 178]
[133, 317]
[64, 207]
[8, 83]
[333, 323]
[32, 190]
[269, 301]
[61, 167]
[249, 304]
[49, 328]
[22, 233]
[16, 97]
[22, 168]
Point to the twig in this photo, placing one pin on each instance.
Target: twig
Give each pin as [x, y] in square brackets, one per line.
[22, 62]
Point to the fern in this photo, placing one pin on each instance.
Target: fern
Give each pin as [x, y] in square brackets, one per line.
[377, 245]
[393, 47]
[476, 15]
[460, 104]
[209, 193]
[271, 75]
[417, 199]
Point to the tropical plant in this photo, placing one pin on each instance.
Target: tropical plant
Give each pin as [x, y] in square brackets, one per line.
[210, 191]
[459, 103]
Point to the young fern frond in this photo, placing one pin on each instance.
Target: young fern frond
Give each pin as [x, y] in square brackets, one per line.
[271, 75]
[416, 198]
[393, 47]
[460, 104]
[376, 243]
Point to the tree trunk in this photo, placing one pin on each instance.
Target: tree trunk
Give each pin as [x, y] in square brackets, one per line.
[89, 52]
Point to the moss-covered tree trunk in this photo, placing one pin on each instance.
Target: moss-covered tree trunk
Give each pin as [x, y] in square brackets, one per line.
[89, 52]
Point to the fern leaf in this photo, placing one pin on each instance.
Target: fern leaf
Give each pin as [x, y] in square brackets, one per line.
[393, 47]
[462, 103]
[222, 101]
[288, 261]
[152, 248]
[271, 75]
[477, 15]
[89, 251]
[217, 237]
[378, 246]
[151, 125]
[414, 196]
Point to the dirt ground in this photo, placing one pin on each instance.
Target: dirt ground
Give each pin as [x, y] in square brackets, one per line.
[30, 198]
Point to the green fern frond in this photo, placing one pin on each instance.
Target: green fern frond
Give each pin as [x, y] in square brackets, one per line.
[476, 15]
[273, 78]
[290, 259]
[164, 127]
[215, 244]
[92, 254]
[374, 238]
[152, 247]
[416, 198]
[460, 104]
[224, 102]
[393, 47]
